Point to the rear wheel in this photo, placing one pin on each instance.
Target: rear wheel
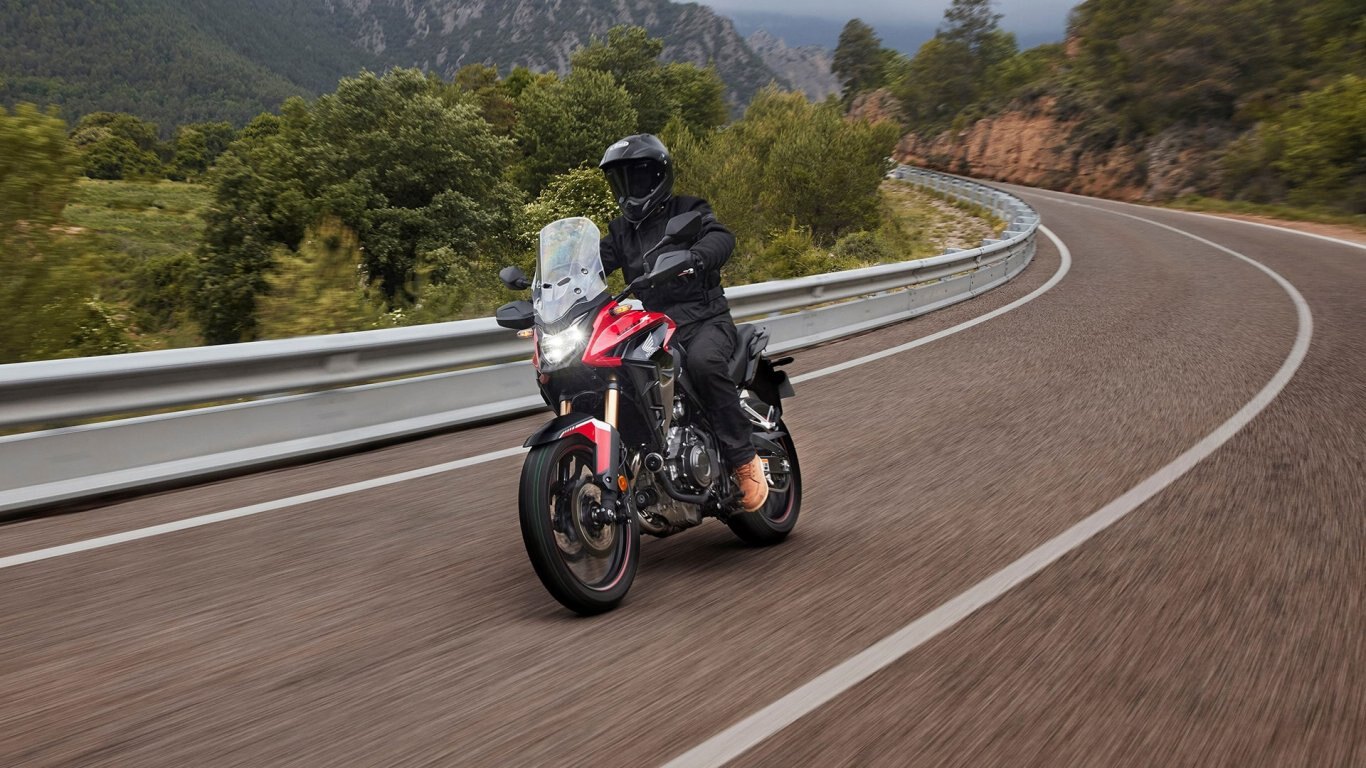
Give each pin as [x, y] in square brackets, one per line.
[585, 560]
[778, 517]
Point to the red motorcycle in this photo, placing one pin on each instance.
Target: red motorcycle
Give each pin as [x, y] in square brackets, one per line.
[631, 449]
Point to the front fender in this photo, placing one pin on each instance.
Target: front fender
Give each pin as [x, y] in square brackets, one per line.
[555, 429]
[606, 442]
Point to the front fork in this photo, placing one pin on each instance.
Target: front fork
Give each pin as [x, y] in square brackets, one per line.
[610, 462]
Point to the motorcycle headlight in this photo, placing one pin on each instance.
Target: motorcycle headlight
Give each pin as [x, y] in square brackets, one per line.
[556, 348]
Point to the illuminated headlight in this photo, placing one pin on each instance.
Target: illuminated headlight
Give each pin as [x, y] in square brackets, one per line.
[556, 348]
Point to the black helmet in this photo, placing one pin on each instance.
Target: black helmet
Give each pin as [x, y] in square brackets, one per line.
[641, 174]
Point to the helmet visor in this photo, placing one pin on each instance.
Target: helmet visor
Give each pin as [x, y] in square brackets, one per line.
[635, 179]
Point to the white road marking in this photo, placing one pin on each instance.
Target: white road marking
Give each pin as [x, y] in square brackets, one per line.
[254, 509]
[1051, 194]
[758, 727]
[1016, 304]
[329, 493]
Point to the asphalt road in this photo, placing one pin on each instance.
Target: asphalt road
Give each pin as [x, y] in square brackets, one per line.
[1220, 622]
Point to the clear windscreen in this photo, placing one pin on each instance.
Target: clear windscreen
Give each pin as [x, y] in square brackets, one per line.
[568, 269]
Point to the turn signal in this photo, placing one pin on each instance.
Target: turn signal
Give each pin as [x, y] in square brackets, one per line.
[620, 309]
[525, 333]
[621, 483]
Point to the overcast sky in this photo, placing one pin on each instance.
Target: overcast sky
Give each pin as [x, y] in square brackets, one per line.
[1027, 18]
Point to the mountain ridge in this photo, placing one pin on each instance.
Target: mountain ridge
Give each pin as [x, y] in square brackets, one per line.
[179, 61]
[806, 68]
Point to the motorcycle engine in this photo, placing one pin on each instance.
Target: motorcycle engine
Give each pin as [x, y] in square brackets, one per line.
[691, 464]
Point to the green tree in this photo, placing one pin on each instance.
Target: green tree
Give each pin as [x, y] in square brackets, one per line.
[261, 128]
[517, 81]
[631, 57]
[1149, 64]
[498, 106]
[98, 125]
[393, 158]
[49, 288]
[970, 22]
[1026, 68]
[116, 146]
[38, 167]
[937, 84]
[580, 192]
[197, 146]
[191, 154]
[787, 163]
[859, 63]
[659, 92]
[568, 123]
[115, 157]
[700, 94]
[968, 62]
[1333, 35]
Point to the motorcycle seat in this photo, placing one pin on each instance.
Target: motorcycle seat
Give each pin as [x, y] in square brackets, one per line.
[744, 361]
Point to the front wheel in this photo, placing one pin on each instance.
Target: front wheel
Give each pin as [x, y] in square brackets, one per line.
[776, 519]
[584, 560]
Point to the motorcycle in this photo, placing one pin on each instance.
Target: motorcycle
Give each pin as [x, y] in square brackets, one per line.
[630, 448]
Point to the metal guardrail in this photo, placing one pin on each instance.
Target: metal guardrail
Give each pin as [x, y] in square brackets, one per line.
[470, 374]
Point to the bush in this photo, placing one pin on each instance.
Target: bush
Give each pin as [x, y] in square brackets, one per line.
[321, 288]
[1319, 146]
[789, 252]
[580, 192]
[788, 166]
[38, 167]
[163, 287]
[1312, 154]
[860, 249]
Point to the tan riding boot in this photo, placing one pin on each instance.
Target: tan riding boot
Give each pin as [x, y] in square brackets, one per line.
[753, 485]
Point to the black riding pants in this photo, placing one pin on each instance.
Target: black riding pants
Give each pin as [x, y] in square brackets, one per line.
[707, 348]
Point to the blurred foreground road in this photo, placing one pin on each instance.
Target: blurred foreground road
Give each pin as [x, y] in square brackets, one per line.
[1222, 622]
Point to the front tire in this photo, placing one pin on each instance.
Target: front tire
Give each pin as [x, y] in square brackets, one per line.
[772, 523]
[586, 565]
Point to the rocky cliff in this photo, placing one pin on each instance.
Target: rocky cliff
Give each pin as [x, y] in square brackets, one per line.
[443, 35]
[805, 68]
[1029, 145]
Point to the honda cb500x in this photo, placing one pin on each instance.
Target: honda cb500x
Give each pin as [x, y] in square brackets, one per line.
[631, 449]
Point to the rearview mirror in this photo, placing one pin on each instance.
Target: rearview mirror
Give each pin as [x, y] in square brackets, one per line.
[517, 315]
[683, 228]
[514, 278]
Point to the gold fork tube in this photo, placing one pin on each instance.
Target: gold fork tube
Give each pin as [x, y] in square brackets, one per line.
[612, 402]
[565, 407]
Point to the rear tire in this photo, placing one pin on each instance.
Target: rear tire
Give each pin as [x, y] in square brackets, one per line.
[586, 566]
[778, 517]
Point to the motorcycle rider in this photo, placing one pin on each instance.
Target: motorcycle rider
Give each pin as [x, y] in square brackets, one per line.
[641, 174]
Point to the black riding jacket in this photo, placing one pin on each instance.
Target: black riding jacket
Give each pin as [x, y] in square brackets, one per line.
[687, 299]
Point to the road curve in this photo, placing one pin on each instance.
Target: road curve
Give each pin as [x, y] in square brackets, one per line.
[1219, 622]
